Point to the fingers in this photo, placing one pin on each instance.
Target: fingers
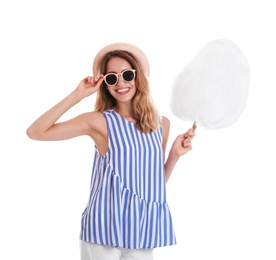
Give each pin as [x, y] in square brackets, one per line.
[187, 140]
[187, 143]
[188, 136]
[90, 85]
[194, 126]
[93, 79]
[191, 132]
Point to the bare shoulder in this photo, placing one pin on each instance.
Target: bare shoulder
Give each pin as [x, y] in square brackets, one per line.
[165, 123]
[165, 131]
[94, 116]
[96, 121]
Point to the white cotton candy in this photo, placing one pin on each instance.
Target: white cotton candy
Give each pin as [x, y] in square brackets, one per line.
[213, 88]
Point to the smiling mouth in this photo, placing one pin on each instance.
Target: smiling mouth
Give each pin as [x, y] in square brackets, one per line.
[122, 90]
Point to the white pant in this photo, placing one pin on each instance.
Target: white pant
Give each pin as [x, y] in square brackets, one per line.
[90, 251]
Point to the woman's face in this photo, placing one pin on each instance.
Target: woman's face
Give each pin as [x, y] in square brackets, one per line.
[122, 91]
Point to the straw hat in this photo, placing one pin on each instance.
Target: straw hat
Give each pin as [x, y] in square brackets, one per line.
[138, 53]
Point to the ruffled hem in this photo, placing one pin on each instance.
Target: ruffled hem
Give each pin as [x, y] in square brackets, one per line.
[115, 216]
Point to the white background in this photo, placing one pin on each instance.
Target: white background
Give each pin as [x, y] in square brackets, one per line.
[222, 194]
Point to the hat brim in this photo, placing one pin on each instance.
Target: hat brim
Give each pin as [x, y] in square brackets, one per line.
[138, 53]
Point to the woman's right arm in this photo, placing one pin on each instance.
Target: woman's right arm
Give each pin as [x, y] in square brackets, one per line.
[46, 126]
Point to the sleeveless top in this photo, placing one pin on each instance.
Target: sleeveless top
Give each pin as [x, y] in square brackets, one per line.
[127, 205]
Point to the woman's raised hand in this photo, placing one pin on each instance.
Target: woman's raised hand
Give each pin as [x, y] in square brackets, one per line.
[90, 85]
[183, 143]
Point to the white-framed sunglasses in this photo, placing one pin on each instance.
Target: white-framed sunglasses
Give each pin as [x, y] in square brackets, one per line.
[127, 75]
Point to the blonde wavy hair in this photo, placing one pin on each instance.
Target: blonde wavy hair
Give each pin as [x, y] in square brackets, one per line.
[144, 111]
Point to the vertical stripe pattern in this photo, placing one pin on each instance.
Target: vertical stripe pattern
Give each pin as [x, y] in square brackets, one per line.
[127, 204]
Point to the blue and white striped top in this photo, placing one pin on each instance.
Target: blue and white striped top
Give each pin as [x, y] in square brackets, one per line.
[127, 204]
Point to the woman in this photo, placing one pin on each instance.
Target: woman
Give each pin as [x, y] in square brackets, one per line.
[126, 214]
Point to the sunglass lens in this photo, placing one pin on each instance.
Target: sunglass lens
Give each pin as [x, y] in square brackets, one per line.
[128, 75]
[111, 79]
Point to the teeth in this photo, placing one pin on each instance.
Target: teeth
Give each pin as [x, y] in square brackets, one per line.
[123, 90]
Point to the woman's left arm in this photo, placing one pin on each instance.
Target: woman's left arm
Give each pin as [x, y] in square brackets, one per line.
[181, 145]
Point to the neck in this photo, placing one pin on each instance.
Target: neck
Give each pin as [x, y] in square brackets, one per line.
[126, 113]
[124, 110]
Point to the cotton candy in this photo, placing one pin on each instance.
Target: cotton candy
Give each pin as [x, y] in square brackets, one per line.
[213, 88]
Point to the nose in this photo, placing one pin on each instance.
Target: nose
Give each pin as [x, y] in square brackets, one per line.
[120, 80]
